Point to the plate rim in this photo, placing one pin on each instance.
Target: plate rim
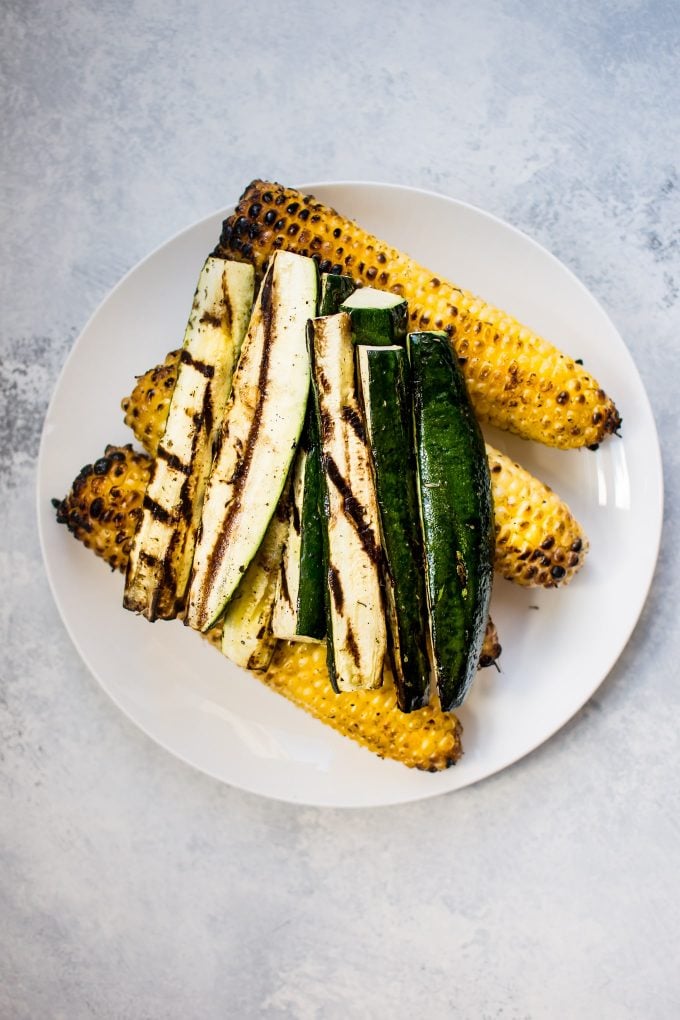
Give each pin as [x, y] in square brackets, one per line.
[644, 589]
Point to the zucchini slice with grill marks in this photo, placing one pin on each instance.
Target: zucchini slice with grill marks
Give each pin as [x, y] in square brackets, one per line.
[356, 633]
[386, 398]
[456, 510]
[378, 316]
[262, 426]
[299, 613]
[247, 637]
[163, 548]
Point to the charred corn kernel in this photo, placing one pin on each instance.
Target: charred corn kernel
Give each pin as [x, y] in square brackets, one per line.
[105, 503]
[146, 409]
[516, 379]
[538, 541]
[426, 739]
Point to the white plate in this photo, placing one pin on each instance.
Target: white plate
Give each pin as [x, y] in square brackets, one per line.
[557, 645]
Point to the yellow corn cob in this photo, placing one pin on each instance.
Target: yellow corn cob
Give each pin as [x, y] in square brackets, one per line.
[538, 541]
[516, 380]
[105, 503]
[427, 739]
[146, 409]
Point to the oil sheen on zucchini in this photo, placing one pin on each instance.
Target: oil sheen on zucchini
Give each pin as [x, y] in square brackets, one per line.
[163, 548]
[262, 426]
[386, 397]
[357, 641]
[299, 609]
[334, 290]
[456, 511]
[378, 316]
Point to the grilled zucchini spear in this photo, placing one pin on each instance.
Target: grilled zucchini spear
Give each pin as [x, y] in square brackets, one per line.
[378, 317]
[299, 610]
[516, 379]
[456, 510]
[262, 426]
[356, 644]
[161, 555]
[386, 399]
[247, 637]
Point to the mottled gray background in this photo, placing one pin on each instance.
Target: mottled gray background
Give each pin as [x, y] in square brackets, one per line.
[134, 887]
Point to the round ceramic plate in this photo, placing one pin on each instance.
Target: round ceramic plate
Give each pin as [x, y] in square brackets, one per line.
[557, 645]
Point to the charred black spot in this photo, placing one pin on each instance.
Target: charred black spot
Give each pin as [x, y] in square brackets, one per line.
[96, 507]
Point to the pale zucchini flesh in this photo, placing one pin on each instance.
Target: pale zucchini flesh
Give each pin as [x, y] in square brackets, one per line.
[356, 638]
[263, 421]
[162, 552]
[247, 638]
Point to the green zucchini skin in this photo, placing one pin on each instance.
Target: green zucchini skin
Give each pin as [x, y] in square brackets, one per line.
[310, 603]
[334, 290]
[456, 513]
[376, 326]
[311, 616]
[386, 397]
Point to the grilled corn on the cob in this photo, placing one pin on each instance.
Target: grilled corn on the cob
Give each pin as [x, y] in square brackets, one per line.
[426, 739]
[539, 543]
[105, 503]
[516, 379]
[146, 409]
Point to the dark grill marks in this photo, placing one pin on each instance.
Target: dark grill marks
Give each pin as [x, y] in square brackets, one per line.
[209, 319]
[173, 461]
[207, 370]
[353, 510]
[336, 588]
[353, 419]
[295, 513]
[285, 591]
[352, 646]
[240, 476]
[158, 512]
